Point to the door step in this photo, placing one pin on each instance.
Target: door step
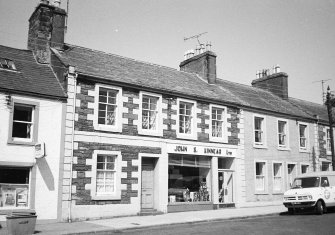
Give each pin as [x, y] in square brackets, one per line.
[145, 212]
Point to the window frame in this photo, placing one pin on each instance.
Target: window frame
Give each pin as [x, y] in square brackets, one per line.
[224, 138]
[303, 149]
[106, 196]
[304, 164]
[295, 171]
[287, 139]
[193, 134]
[11, 67]
[281, 175]
[159, 116]
[262, 144]
[265, 175]
[35, 121]
[119, 105]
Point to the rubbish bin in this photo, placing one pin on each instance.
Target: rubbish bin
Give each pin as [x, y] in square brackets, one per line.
[21, 223]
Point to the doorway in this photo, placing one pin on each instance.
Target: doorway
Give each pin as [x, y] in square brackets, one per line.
[147, 186]
[225, 183]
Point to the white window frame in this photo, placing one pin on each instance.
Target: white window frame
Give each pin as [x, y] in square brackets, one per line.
[265, 174]
[224, 138]
[159, 118]
[119, 104]
[305, 164]
[281, 175]
[287, 139]
[293, 175]
[193, 134]
[303, 149]
[263, 129]
[34, 120]
[112, 196]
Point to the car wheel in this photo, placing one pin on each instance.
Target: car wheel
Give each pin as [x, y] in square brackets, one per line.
[319, 208]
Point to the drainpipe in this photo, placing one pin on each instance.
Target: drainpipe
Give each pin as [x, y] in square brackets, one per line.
[74, 75]
[329, 103]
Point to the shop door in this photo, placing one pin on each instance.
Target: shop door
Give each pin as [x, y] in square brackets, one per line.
[147, 192]
[225, 187]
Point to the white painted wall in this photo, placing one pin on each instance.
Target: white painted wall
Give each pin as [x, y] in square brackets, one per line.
[44, 179]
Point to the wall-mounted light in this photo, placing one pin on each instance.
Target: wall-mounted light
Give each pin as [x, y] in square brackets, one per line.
[8, 100]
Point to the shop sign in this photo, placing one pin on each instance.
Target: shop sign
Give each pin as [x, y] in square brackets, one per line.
[201, 150]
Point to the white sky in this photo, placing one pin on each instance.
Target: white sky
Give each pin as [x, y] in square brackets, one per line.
[247, 35]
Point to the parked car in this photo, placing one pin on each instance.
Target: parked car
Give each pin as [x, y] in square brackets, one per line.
[311, 190]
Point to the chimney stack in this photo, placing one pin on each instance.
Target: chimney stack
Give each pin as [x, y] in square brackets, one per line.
[275, 81]
[46, 29]
[202, 63]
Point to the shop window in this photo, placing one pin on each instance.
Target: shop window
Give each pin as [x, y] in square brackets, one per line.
[217, 128]
[108, 108]
[150, 115]
[303, 143]
[277, 177]
[106, 175]
[189, 179]
[7, 64]
[282, 134]
[259, 131]
[14, 187]
[24, 122]
[186, 120]
[260, 176]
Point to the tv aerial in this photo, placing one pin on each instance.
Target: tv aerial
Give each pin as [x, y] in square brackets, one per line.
[195, 36]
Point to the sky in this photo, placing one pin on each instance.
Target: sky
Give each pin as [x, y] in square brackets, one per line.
[246, 35]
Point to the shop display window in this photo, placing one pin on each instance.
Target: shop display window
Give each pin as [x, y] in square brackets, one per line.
[14, 187]
[189, 179]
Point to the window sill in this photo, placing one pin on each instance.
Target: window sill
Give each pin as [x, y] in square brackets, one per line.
[150, 133]
[187, 137]
[261, 193]
[106, 197]
[277, 193]
[218, 140]
[284, 149]
[260, 146]
[303, 150]
[17, 142]
[108, 128]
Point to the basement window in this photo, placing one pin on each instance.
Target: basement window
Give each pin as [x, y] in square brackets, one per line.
[7, 64]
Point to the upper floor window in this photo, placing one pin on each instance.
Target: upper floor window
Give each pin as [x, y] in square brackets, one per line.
[259, 131]
[108, 108]
[282, 134]
[150, 114]
[303, 136]
[24, 120]
[7, 64]
[186, 119]
[106, 180]
[217, 128]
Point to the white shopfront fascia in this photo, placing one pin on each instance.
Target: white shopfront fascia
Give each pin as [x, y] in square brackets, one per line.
[201, 150]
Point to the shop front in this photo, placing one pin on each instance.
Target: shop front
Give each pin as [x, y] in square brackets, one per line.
[14, 188]
[199, 178]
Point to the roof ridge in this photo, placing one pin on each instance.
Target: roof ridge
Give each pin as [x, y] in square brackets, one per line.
[124, 57]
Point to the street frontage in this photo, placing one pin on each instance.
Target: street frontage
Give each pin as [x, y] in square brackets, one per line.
[302, 223]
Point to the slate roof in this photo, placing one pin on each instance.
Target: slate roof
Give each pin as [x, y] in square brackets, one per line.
[129, 71]
[30, 77]
[311, 108]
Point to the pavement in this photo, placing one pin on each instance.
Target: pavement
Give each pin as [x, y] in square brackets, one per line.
[106, 226]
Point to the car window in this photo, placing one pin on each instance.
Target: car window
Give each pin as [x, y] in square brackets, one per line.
[324, 182]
